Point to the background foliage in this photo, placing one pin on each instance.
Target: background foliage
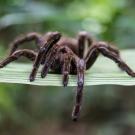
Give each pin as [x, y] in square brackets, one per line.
[36, 110]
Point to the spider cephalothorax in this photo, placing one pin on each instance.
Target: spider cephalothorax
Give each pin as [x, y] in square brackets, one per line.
[65, 56]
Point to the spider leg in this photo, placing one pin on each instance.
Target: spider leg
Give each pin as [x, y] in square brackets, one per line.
[93, 53]
[66, 68]
[91, 57]
[82, 37]
[80, 85]
[114, 49]
[20, 40]
[49, 60]
[101, 48]
[25, 52]
[118, 60]
[47, 35]
[65, 55]
[80, 64]
[44, 49]
[67, 58]
[110, 47]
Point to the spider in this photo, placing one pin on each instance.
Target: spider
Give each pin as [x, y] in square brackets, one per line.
[65, 56]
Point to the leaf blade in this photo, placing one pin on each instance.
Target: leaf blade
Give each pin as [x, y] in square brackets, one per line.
[104, 72]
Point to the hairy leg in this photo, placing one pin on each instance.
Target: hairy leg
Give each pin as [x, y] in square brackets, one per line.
[27, 38]
[31, 55]
[92, 53]
[68, 56]
[111, 48]
[66, 68]
[91, 57]
[103, 49]
[80, 64]
[82, 38]
[50, 58]
[121, 64]
[44, 49]
[79, 93]
[65, 56]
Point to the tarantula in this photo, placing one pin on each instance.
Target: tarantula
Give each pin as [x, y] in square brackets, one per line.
[65, 56]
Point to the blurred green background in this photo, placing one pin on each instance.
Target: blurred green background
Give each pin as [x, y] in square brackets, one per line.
[33, 110]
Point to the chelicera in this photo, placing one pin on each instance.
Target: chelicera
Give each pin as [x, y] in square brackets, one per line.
[65, 56]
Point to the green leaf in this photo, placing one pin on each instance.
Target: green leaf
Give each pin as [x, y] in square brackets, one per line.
[104, 71]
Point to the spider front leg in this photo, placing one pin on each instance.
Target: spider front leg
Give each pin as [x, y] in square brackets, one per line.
[53, 38]
[31, 55]
[80, 85]
[27, 38]
[50, 58]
